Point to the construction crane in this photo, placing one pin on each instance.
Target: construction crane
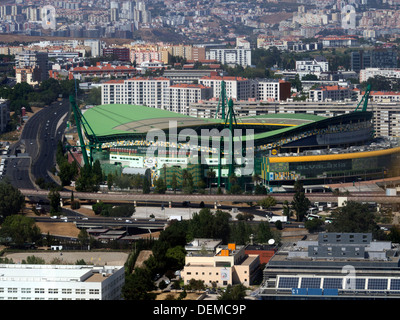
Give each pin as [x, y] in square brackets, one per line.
[364, 99]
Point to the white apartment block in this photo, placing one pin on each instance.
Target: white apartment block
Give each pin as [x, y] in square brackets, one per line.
[182, 95]
[241, 57]
[272, 90]
[367, 73]
[60, 282]
[154, 92]
[150, 92]
[317, 65]
[237, 88]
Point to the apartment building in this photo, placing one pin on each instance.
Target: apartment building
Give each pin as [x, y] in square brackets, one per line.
[154, 92]
[101, 71]
[146, 91]
[332, 93]
[272, 90]
[144, 56]
[367, 73]
[121, 54]
[316, 65]
[239, 56]
[226, 265]
[33, 66]
[60, 282]
[182, 95]
[237, 88]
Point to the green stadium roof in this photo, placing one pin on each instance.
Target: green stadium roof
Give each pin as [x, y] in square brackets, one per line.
[124, 121]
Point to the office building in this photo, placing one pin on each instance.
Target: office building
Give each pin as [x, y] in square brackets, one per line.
[60, 282]
[227, 265]
[377, 58]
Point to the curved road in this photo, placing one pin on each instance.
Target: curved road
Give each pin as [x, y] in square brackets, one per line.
[35, 151]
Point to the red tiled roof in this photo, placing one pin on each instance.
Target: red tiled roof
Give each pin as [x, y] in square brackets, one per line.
[187, 85]
[229, 78]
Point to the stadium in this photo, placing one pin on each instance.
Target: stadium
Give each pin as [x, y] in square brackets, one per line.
[278, 149]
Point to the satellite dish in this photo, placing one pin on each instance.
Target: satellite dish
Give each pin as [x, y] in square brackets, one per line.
[271, 241]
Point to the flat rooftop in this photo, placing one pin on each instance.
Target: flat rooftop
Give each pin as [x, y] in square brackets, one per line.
[54, 273]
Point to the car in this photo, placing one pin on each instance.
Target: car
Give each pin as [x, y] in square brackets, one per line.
[128, 221]
[85, 218]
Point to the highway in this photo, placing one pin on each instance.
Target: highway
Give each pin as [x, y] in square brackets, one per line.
[105, 222]
[34, 153]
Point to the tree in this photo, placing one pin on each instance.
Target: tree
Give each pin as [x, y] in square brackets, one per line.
[20, 230]
[159, 186]
[300, 202]
[83, 237]
[355, 217]
[68, 171]
[55, 198]
[236, 292]
[138, 285]
[110, 181]
[146, 185]
[286, 211]
[11, 200]
[174, 182]
[263, 232]
[210, 176]
[314, 225]
[87, 180]
[267, 202]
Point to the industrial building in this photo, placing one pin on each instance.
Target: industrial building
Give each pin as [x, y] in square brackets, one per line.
[333, 266]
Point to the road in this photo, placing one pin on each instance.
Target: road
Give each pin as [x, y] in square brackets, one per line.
[34, 154]
[166, 198]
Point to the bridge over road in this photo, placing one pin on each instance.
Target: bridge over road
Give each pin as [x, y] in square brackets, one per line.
[378, 197]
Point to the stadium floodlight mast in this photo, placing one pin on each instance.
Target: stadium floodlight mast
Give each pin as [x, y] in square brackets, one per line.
[82, 123]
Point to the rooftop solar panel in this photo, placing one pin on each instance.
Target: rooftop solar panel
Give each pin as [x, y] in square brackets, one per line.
[288, 282]
[310, 283]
